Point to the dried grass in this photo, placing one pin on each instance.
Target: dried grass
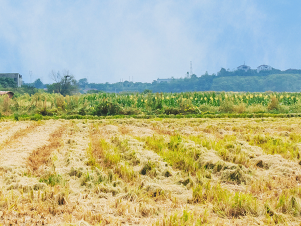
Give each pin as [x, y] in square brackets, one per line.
[20, 133]
[103, 173]
[41, 156]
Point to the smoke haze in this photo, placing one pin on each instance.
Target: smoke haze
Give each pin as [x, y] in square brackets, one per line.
[106, 41]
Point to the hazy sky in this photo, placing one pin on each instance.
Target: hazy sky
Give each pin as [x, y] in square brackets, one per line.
[106, 41]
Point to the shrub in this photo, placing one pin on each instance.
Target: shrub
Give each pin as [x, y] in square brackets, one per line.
[226, 106]
[6, 104]
[60, 102]
[274, 104]
[241, 108]
[36, 117]
[47, 112]
[284, 109]
[146, 91]
[208, 108]
[256, 108]
[130, 111]
[106, 108]
[82, 111]
[296, 108]
[16, 116]
[43, 111]
[172, 111]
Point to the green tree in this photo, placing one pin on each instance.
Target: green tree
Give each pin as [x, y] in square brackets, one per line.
[82, 83]
[38, 84]
[7, 82]
[64, 84]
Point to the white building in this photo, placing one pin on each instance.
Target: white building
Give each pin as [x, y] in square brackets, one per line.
[244, 68]
[168, 80]
[264, 68]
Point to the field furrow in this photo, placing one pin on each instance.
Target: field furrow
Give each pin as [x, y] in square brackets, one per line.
[24, 141]
[40, 156]
[14, 131]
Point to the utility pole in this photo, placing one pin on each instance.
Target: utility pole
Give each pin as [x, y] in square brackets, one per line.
[30, 74]
[190, 68]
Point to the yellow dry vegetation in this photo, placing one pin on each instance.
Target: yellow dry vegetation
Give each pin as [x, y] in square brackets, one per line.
[151, 172]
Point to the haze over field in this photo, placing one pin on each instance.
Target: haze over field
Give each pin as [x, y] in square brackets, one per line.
[106, 41]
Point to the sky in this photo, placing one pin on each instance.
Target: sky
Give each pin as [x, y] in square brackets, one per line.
[114, 40]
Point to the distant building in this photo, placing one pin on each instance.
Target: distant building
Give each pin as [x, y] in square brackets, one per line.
[164, 80]
[264, 68]
[244, 68]
[15, 76]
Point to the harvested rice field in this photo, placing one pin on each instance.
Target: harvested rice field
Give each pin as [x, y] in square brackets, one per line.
[151, 172]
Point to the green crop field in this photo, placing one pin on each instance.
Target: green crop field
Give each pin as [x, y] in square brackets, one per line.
[159, 104]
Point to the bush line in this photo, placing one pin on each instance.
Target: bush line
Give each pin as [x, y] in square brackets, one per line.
[205, 115]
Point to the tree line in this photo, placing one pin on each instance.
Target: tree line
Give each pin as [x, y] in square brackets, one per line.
[224, 80]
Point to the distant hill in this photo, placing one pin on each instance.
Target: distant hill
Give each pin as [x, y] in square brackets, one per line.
[272, 82]
[250, 81]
